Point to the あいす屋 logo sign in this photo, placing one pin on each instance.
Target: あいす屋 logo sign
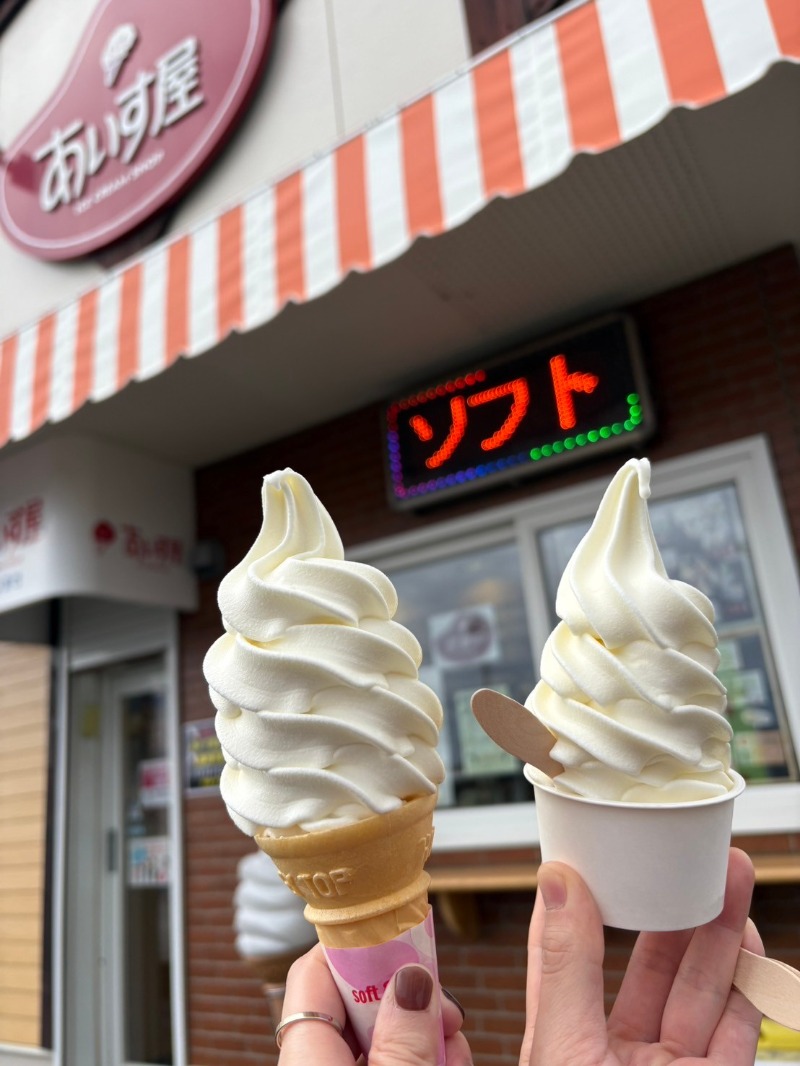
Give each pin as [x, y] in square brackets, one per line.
[151, 94]
[133, 543]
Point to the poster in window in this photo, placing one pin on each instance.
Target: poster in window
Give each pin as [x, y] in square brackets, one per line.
[479, 753]
[203, 758]
[465, 637]
[148, 861]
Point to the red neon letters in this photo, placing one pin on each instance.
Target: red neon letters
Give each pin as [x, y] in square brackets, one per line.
[564, 384]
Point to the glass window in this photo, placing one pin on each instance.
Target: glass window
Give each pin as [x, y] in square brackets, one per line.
[468, 613]
[119, 870]
[146, 798]
[479, 594]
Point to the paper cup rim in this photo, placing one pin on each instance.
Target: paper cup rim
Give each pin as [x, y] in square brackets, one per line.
[737, 789]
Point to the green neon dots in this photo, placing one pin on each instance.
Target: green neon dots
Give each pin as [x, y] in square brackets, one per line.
[592, 436]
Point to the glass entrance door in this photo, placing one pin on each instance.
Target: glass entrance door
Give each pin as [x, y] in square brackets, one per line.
[118, 1006]
[144, 870]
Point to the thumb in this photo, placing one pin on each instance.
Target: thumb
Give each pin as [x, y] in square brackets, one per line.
[570, 1027]
[408, 1029]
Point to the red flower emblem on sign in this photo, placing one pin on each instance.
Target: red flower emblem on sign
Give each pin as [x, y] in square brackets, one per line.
[150, 96]
[104, 535]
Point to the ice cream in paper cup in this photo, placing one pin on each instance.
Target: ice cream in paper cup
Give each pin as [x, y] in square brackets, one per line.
[643, 808]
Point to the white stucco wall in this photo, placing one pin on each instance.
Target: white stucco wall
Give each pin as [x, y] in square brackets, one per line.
[336, 65]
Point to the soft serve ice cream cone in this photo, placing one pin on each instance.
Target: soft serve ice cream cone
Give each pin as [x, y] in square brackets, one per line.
[643, 807]
[329, 737]
[271, 931]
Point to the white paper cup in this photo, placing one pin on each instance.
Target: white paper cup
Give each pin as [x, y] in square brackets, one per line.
[649, 866]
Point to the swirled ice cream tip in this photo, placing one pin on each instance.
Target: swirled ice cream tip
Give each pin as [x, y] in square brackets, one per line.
[321, 715]
[627, 682]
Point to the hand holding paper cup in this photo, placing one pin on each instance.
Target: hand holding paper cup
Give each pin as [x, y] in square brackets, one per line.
[626, 742]
[596, 842]
[644, 797]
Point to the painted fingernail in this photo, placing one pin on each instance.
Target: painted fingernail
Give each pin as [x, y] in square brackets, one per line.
[453, 999]
[413, 988]
[553, 888]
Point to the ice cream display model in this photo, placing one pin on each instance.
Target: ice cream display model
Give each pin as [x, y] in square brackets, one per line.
[271, 930]
[329, 740]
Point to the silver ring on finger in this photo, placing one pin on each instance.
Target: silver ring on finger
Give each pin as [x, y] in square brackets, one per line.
[304, 1016]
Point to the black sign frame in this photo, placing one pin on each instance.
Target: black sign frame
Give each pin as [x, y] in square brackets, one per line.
[563, 398]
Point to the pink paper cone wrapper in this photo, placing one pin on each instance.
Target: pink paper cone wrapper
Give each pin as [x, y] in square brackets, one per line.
[363, 974]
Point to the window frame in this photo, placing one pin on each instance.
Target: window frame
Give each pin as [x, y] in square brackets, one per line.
[9, 9]
[772, 807]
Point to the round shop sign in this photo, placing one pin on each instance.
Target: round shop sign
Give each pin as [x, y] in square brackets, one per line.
[150, 95]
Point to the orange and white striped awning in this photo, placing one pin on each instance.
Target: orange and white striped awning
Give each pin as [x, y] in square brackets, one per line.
[596, 75]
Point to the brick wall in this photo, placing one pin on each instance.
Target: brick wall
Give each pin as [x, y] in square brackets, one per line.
[724, 361]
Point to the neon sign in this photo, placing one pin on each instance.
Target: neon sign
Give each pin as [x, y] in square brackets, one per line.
[558, 400]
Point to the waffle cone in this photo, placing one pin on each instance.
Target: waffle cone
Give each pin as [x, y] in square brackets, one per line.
[363, 884]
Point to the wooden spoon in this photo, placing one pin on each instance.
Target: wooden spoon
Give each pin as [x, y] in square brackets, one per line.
[772, 987]
[513, 728]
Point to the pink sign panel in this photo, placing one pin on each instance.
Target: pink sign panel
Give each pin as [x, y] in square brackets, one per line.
[151, 94]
